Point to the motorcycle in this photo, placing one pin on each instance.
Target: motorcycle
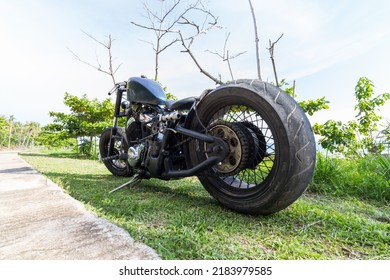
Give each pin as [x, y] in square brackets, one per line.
[248, 142]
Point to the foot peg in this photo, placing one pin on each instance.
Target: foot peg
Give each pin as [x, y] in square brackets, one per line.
[132, 183]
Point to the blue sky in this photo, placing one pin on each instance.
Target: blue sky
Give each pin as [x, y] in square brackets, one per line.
[326, 47]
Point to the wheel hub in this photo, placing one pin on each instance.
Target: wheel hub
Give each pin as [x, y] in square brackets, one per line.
[240, 143]
[233, 159]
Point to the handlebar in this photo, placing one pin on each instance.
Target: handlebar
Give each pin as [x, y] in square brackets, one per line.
[118, 86]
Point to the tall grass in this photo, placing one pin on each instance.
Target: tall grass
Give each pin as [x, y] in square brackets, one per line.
[367, 177]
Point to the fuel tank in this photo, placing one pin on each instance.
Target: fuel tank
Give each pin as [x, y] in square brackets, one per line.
[146, 91]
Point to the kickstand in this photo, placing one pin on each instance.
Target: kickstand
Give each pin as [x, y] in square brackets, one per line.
[132, 183]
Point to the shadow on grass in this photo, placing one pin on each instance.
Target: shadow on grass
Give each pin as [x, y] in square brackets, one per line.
[94, 189]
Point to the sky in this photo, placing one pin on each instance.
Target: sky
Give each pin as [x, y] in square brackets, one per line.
[326, 47]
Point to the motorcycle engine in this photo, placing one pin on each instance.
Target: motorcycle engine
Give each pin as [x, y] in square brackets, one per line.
[135, 155]
[143, 135]
[136, 150]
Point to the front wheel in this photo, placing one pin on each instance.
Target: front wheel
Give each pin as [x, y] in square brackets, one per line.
[111, 147]
[271, 147]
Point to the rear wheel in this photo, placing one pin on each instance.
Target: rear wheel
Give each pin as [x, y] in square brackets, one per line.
[271, 147]
[119, 146]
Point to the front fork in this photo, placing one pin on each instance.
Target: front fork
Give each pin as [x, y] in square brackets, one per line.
[119, 89]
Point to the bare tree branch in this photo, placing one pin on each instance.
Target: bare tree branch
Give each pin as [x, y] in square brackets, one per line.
[229, 66]
[147, 27]
[87, 63]
[256, 40]
[168, 45]
[108, 45]
[177, 2]
[159, 23]
[225, 56]
[271, 50]
[199, 30]
[217, 54]
[202, 70]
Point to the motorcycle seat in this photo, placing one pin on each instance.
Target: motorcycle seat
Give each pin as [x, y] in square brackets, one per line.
[182, 104]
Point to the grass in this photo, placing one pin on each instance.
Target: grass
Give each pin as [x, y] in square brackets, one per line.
[181, 221]
[367, 178]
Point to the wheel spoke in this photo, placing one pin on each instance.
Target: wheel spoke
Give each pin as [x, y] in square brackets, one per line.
[250, 176]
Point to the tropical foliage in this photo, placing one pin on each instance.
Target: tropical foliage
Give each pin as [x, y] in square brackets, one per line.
[86, 120]
[356, 138]
[17, 134]
[310, 106]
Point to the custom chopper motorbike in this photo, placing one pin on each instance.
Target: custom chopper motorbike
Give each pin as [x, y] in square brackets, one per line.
[248, 142]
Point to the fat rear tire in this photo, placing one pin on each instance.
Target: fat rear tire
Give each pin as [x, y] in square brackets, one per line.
[283, 171]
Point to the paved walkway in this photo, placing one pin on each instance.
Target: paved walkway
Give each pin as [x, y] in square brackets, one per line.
[39, 221]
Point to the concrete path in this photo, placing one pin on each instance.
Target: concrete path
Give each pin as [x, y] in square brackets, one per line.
[38, 221]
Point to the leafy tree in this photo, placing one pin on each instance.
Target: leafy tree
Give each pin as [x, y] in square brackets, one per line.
[14, 133]
[309, 106]
[87, 118]
[11, 126]
[367, 105]
[28, 133]
[53, 136]
[356, 138]
[3, 130]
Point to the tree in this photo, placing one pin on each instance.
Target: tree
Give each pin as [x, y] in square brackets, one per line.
[162, 22]
[309, 106]
[257, 40]
[226, 56]
[356, 138]
[271, 50]
[17, 134]
[165, 22]
[367, 106]
[3, 130]
[110, 69]
[87, 118]
[181, 27]
[10, 132]
[53, 136]
[29, 133]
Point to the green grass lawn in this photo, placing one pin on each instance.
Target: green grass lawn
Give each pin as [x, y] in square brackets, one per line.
[180, 220]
